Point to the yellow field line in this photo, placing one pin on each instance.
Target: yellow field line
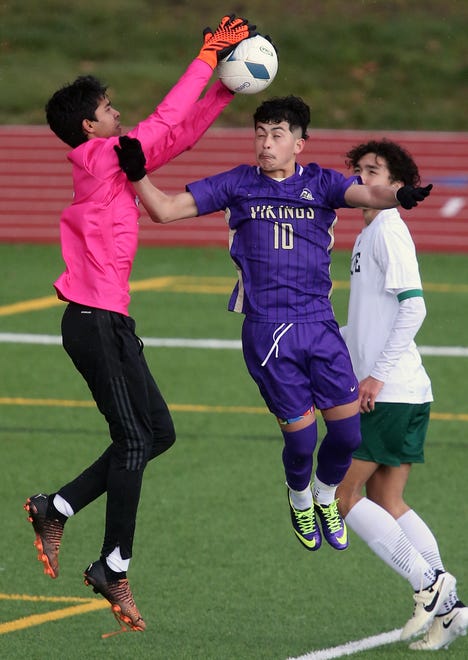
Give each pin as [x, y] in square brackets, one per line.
[450, 417]
[188, 284]
[60, 403]
[85, 606]
[30, 305]
[48, 599]
[185, 407]
[179, 407]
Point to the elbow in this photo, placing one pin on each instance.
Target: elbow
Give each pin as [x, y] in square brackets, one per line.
[158, 219]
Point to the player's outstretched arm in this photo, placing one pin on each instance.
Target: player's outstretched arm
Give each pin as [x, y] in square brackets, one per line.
[385, 197]
[218, 44]
[161, 208]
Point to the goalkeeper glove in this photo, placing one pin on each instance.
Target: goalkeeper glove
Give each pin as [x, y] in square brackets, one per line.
[409, 196]
[230, 32]
[131, 158]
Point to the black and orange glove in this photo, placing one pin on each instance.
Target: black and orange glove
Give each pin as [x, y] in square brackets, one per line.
[409, 196]
[218, 44]
[131, 157]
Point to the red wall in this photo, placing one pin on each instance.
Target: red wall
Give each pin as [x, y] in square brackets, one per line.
[35, 185]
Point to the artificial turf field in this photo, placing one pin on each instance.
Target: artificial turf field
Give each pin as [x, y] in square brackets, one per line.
[217, 572]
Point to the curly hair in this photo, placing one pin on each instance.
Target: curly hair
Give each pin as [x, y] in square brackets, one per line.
[287, 108]
[70, 105]
[399, 161]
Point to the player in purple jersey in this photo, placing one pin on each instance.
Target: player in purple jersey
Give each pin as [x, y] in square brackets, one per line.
[281, 217]
[99, 233]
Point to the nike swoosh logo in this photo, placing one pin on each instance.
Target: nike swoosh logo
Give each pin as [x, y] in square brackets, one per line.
[309, 544]
[430, 606]
[449, 623]
[351, 389]
[343, 539]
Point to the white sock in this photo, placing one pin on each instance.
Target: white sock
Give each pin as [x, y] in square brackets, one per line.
[424, 540]
[323, 493]
[421, 537]
[301, 499]
[62, 506]
[385, 537]
[115, 561]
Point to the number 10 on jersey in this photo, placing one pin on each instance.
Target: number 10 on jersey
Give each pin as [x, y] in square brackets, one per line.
[283, 236]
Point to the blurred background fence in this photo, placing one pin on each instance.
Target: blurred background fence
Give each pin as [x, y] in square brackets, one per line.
[35, 184]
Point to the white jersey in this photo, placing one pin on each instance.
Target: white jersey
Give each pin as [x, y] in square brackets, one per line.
[383, 265]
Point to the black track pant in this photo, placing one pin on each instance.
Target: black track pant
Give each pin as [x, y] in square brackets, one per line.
[109, 356]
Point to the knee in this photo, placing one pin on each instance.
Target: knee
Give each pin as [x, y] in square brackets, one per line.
[161, 443]
[345, 433]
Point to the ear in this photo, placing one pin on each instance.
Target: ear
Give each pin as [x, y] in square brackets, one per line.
[300, 144]
[397, 184]
[88, 127]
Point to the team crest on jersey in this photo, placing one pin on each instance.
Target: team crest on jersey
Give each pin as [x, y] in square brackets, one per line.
[306, 194]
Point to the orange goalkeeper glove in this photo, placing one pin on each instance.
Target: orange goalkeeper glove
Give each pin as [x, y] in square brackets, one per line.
[230, 32]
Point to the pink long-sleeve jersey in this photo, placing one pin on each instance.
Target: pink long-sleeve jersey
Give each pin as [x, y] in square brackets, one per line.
[99, 230]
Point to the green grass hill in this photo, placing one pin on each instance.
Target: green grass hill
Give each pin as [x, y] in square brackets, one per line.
[371, 64]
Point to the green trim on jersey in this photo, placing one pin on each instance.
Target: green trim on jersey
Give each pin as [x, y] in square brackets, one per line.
[411, 293]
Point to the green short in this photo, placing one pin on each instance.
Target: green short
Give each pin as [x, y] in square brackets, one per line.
[394, 433]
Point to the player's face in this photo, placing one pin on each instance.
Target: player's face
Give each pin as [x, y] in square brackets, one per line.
[373, 170]
[107, 122]
[276, 148]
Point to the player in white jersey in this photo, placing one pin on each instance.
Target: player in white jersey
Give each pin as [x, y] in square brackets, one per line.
[386, 310]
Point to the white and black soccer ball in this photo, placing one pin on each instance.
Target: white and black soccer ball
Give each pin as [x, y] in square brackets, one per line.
[250, 67]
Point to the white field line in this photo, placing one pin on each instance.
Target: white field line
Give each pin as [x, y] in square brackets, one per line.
[227, 344]
[353, 647]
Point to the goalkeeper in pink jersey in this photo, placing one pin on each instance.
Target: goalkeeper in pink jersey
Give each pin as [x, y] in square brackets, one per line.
[99, 232]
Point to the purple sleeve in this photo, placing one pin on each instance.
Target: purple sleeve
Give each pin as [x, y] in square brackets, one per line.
[337, 184]
[214, 193]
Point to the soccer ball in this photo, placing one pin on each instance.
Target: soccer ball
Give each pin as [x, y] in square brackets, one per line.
[251, 66]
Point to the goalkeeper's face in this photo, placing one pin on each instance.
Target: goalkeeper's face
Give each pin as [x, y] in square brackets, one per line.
[106, 123]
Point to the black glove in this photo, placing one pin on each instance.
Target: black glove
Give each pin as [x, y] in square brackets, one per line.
[409, 196]
[131, 157]
[218, 44]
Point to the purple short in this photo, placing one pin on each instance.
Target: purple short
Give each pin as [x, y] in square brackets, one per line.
[297, 365]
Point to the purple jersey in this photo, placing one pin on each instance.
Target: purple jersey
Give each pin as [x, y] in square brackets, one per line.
[281, 237]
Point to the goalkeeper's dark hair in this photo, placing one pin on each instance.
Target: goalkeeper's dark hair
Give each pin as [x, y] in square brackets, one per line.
[287, 108]
[70, 105]
[400, 163]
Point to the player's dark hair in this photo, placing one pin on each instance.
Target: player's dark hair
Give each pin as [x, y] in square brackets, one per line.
[70, 105]
[400, 163]
[287, 108]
